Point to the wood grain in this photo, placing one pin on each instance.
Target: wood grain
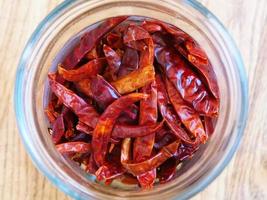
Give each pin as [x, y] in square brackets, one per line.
[246, 175]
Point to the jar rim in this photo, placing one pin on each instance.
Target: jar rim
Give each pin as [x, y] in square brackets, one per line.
[20, 115]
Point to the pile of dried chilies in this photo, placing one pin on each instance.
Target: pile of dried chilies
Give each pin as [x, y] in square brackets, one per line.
[132, 100]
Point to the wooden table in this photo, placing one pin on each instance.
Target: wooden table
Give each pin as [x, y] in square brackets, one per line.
[246, 175]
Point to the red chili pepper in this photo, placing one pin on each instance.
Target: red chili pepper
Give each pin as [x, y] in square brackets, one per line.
[58, 129]
[114, 62]
[143, 146]
[84, 111]
[169, 114]
[186, 81]
[74, 147]
[89, 40]
[188, 116]
[195, 55]
[134, 80]
[90, 69]
[129, 62]
[104, 94]
[103, 129]
[153, 162]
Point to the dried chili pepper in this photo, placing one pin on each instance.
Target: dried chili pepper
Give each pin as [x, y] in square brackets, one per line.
[132, 100]
[105, 124]
[134, 80]
[58, 129]
[194, 54]
[143, 146]
[89, 40]
[86, 113]
[169, 114]
[129, 63]
[188, 116]
[152, 163]
[88, 70]
[186, 81]
[114, 62]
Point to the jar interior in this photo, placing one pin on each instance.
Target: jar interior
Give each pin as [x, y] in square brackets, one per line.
[64, 32]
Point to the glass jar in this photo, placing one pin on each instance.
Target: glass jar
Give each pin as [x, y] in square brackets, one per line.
[71, 18]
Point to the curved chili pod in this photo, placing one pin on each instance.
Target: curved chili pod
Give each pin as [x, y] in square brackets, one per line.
[169, 114]
[195, 55]
[186, 81]
[86, 113]
[129, 63]
[135, 80]
[103, 129]
[143, 146]
[74, 147]
[114, 62]
[188, 116]
[92, 68]
[153, 162]
[89, 40]
[58, 129]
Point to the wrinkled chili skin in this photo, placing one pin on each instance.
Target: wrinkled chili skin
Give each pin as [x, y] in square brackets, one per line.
[103, 129]
[197, 57]
[186, 81]
[188, 116]
[86, 113]
[133, 100]
[143, 146]
[169, 114]
[89, 40]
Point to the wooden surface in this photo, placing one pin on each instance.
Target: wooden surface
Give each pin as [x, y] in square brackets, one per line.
[246, 175]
